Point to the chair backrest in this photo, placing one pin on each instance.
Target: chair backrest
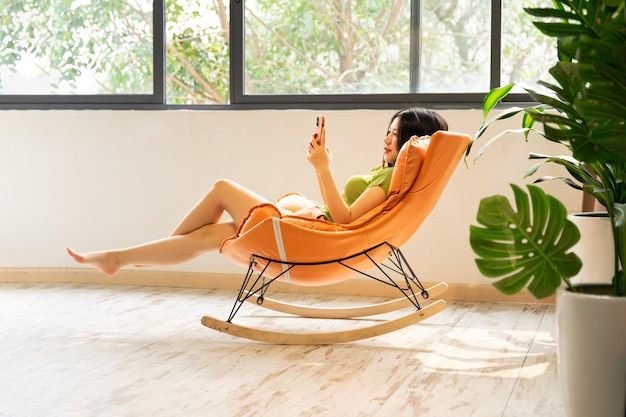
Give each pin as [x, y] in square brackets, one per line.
[420, 176]
[426, 174]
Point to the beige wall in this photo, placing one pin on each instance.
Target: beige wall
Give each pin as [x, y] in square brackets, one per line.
[100, 179]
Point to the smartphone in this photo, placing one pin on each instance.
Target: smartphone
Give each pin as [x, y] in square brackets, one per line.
[321, 120]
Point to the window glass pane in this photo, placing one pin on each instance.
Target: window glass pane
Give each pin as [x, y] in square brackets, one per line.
[198, 50]
[326, 47]
[527, 54]
[455, 46]
[76, 47]
[351, 47]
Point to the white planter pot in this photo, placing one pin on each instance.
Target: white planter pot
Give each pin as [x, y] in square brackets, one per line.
[595, 248]
[591, 332]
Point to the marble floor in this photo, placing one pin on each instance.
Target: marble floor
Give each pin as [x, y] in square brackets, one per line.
[93, 350]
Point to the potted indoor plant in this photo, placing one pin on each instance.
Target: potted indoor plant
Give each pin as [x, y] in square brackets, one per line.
[584, 109]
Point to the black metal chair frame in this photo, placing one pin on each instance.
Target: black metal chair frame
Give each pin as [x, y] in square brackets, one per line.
[256, 284]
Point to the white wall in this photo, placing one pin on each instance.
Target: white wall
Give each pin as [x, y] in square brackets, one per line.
[103, 179]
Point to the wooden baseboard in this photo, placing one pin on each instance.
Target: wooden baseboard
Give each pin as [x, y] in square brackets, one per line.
[356, 286]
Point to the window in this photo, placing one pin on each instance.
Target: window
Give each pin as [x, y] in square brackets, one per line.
[197, 52]
[264, 53]
[78, 49]
[527, 55]
[455, 46]
[325, 47]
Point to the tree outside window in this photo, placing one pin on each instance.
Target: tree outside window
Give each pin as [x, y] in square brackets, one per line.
[300, 47]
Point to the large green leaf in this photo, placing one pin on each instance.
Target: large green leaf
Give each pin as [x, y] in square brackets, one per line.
[528, 247]
[599, 106]
[496, 138]
[610, 142]
[490, 102]
[555, 13]
[581, 172]
[613, 3]
[494, 97]
[612, 75]
[557, 29]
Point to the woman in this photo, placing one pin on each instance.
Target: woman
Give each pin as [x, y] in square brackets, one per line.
[202, 229]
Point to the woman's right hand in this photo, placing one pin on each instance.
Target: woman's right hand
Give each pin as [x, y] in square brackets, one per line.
[318, 154]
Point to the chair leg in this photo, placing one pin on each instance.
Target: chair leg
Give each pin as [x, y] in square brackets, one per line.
[257, 286]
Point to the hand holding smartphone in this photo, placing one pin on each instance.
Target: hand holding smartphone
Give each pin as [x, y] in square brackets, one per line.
[321, 121]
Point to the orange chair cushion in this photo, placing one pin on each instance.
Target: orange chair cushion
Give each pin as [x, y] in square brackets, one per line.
[420, 175]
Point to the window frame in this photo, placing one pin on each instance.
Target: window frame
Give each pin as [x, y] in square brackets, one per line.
[106, 101]
[240, 101]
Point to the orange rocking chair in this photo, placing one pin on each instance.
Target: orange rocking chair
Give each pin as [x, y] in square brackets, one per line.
[308, 252]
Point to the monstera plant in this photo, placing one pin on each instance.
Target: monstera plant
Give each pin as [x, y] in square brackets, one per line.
[583, 108]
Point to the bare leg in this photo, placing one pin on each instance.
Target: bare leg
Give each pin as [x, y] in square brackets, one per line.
[168, 251]
[224, 196]
[200, 231]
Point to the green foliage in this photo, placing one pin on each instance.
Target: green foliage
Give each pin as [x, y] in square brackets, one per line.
[326, 46]
[69, 40]
[528, 247]
[295, 47]
[590, 79]
[584, 109]
[198, 52]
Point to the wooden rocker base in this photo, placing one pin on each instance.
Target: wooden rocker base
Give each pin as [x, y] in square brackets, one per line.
[394, 271]
[346, 312]
[324, 338]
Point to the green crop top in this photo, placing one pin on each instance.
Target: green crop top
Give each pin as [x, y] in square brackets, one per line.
[357, 184]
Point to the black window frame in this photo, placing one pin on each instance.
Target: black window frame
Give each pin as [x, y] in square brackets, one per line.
[240, 101]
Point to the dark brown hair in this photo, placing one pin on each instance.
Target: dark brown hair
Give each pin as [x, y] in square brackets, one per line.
[417, 121]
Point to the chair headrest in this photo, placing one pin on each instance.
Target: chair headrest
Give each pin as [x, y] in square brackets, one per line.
[408, 165]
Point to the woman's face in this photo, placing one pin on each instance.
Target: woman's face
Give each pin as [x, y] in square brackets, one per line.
[391, 142]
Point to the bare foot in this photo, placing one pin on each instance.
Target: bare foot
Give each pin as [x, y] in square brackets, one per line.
[102, 261]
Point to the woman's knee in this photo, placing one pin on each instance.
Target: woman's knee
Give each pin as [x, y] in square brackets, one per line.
[224, 184]
[221, 187]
